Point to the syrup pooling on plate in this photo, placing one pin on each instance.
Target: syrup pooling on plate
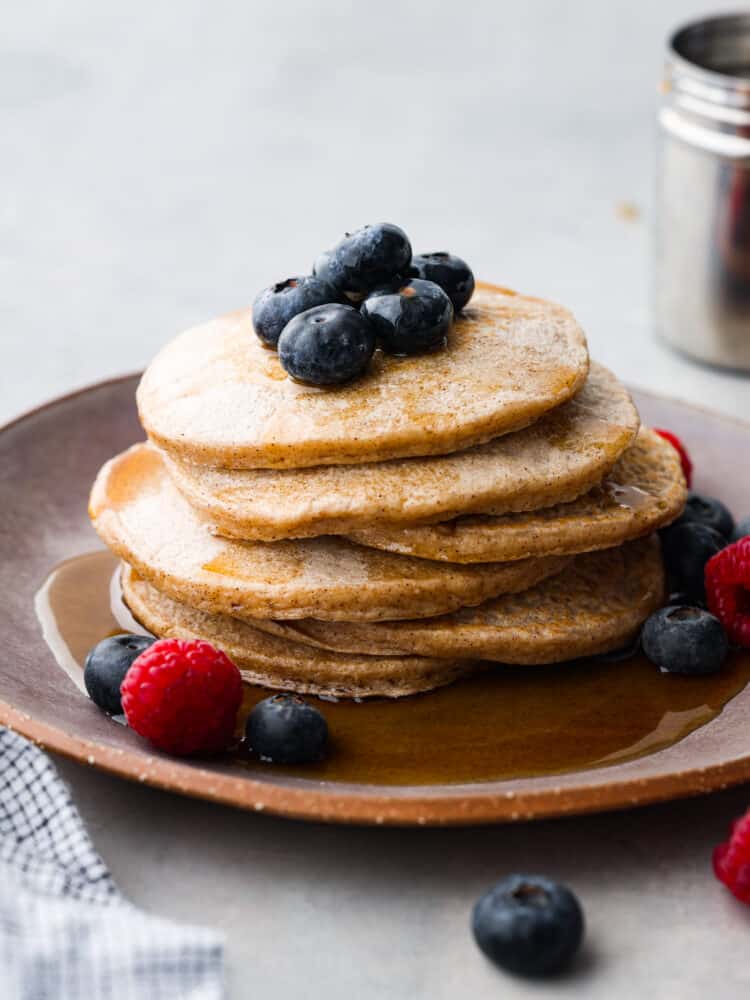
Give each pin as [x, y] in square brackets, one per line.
[504, 723]
[78, 605]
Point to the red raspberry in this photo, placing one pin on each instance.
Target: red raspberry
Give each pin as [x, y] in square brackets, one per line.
[679, 447]
[183, 696]
[731, 859]
[728, 590]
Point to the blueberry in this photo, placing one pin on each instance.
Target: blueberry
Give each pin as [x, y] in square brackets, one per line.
[701, 509]
[106, 666]
[274, 307]
[685, 640]
[687, 546]
[414, 319]
[451, 273]
[327, 345]
[364, 260]
[287, 730]
[741, 529]
[529, 925]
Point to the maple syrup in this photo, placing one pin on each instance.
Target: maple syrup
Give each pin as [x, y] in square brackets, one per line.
[504, 722]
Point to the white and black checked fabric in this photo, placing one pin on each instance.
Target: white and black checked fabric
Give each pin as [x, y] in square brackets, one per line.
[66, 932]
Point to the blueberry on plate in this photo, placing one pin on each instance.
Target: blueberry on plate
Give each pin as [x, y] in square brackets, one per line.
[327, 345]
[685, 640]
[364, 260]
[285, 729]
[106, 666]
[275, 306]
[529, 925]
[687, 546]
[415, 319]
[701, 509]
[451, 273]
[741, 529]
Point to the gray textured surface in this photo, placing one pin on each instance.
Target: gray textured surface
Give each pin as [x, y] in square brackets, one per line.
[162, 161]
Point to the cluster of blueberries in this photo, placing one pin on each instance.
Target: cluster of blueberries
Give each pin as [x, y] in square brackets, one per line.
[685, 637]
[367, 290]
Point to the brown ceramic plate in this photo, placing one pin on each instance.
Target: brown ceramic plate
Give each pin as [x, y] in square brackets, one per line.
[48, 459]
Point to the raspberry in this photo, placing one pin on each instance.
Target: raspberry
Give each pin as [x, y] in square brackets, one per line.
[183, 696]
[731, 860]
[728, 590]
[679, 447]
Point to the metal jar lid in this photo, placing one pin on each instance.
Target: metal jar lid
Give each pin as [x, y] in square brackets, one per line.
[706, 85]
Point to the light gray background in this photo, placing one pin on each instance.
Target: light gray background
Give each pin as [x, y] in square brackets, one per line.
[160, 162]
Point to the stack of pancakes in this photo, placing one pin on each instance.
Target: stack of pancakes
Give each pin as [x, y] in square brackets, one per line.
[495, 501]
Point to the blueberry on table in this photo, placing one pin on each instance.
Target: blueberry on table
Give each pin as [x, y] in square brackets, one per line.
[275, 306]
[364, 260]
[529, 925]
[106, 666]
[701, 509]
[687, 546]
[741, 529]
[414, 319]
[285, 729]
[327, 345]
[685, 640]
[451, 273]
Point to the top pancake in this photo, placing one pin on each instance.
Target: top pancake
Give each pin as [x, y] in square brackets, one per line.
[216, 396]
[556, 460]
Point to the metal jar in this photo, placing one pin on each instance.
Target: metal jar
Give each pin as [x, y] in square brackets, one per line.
[702, 245]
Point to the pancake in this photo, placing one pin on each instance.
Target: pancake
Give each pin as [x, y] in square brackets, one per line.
[597, 604]
[141, 516]
[643, 492]
[280, 664]
[216, 396]
[556, 460]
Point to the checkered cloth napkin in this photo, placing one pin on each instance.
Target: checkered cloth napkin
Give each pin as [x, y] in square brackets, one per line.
[66, 932]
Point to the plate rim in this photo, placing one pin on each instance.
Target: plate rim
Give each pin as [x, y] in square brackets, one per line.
[441, 805]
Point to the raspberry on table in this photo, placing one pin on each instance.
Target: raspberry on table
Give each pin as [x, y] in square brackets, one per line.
[687, 465]
[183, 696]
[731, 860]
[728, 590]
